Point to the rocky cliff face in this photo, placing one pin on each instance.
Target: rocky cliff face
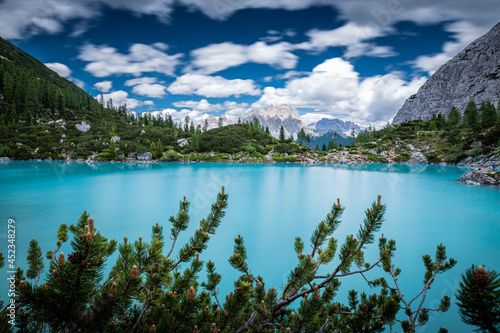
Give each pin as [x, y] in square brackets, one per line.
[213, 122]
[473, 74]
[338, 126]
[274, 117]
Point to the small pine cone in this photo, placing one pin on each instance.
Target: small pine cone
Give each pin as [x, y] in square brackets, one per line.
[87, 263]
[46, 286]
[22, 285]
[152, 329]
[125, 240]
[156, 266]
[195, 330]
[21, 312]
[481, 278]
[213, 329]
[61, 260]
[191, 294]
[262, 306]
[74, 258]
[134, 273]
[55, 274]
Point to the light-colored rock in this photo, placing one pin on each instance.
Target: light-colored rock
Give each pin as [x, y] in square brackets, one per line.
[147, 156]
[344, 161]
[83, 127]
[182, 143]
[483, 176]
[417, 158]
[474, 73]
[63, 135]
[4, 159]
[115, 139]
[142, 132]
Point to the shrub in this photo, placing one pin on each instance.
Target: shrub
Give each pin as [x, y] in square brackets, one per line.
[170, 156]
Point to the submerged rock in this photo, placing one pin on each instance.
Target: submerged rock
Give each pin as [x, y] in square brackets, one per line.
[481, 176]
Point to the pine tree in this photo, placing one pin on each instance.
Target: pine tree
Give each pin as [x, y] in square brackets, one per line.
[323, 148]
[8, 86]
[479, 298]
[488, 114]
[220, 123]
[282, 134]
[454, 117]
[471, 116]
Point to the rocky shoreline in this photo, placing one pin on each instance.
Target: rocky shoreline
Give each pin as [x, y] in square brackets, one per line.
[481, 176]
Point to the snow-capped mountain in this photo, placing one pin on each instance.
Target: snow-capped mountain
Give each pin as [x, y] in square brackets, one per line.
[274, 117]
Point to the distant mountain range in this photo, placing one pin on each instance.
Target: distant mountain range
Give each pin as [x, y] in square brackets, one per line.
[274, 117]
[473, 74]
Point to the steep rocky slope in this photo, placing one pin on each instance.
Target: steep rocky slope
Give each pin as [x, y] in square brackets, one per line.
[473, 74]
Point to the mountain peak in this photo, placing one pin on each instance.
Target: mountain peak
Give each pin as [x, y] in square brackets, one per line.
[473, 74]
[274, 117]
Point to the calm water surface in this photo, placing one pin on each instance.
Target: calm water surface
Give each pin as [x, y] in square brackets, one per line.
[269, 205]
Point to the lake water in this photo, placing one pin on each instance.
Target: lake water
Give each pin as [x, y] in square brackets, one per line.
[269, 205]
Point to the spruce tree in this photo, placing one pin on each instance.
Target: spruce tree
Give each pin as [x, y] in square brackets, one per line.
[471, 116]
[454, 117]
[282, 134]
[488, 114]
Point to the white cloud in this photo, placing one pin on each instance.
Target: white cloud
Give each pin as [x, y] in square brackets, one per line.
[59, 68]
[217, 57]
[140, 80]
[66, 72]
[335, 88]
[120, 97]
[464, 33]
[150, 90]
[106, 61]
[231, 109]
[23, 18]
[104, 86]
[212, 86]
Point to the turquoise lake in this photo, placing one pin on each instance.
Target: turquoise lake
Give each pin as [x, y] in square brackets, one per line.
[269, 205]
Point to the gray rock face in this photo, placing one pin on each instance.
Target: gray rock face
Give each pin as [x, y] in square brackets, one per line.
[83, 127]
[147, 156]
[182, 143]
[417, 158]
[274, 117]
[483, 176]
[473, 74]
[212, 122]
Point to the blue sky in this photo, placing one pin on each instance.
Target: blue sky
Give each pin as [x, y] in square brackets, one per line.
[354, 60]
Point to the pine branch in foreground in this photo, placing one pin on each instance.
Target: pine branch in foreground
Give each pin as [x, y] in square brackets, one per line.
[154, 287]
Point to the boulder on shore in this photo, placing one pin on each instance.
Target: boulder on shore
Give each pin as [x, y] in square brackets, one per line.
[417, 158]
[481, 176]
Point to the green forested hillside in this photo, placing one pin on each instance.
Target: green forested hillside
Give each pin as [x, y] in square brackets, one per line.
[39, 111]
